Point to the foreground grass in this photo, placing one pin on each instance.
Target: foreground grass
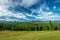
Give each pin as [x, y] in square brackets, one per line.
[29, 35]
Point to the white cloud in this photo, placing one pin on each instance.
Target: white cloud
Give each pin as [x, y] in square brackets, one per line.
[24, 3]
[5, 4]
[8, 19]
[48, 16]
[44, 15]
[11, 14]
[29, 3]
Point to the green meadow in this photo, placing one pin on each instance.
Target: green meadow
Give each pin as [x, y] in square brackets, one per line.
[29, 35]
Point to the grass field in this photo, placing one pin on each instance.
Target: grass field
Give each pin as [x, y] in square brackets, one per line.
[29, 35]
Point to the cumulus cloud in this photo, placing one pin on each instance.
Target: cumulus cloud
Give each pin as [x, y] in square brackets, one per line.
[24, 3]
[42, 15]
[48, 16]
[8, 14]
[29, 3]
[4, 5]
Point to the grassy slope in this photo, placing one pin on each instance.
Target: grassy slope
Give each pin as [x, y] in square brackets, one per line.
[29, 35]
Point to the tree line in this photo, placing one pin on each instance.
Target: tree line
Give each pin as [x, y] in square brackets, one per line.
[30, 26]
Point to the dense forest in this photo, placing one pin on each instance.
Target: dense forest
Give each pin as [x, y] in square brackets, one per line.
[30, 26]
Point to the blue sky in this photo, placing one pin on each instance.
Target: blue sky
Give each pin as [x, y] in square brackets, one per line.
[29, 10]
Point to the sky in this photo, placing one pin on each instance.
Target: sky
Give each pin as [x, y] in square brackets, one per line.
[29, 10]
